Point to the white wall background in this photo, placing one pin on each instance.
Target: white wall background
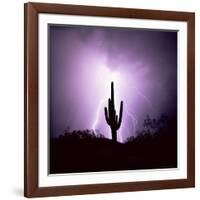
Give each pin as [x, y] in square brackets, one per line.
[11, 98]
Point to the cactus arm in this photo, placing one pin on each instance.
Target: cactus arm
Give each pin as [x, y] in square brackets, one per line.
[120, 115]
[116, 119]
[121, 110]
[106, 116]
[109, 106]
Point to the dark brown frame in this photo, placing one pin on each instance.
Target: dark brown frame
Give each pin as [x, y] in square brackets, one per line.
[31, 187]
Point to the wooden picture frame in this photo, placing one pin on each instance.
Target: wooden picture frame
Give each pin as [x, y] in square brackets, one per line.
[31, 95]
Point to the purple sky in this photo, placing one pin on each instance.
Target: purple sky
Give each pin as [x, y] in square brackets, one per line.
[84, 60]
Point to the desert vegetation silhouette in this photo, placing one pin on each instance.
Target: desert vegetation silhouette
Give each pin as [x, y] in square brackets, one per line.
[153, 146]
[112, 119]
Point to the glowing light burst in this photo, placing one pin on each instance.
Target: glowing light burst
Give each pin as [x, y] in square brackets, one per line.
[104, 77]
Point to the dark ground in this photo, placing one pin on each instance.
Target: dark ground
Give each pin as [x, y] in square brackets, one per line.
[82, 151]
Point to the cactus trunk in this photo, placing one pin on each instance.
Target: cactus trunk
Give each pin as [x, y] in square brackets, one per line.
[113, 120]
[114, 135]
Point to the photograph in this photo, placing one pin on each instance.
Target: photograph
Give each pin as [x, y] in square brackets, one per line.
[112, 98]
[109, 99]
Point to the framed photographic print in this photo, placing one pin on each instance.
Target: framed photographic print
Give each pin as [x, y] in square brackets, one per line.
[109, 99]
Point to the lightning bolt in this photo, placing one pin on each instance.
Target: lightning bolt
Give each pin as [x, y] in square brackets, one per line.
[128, 113]
[143, 96]
[97, 116]
[133, 118]
[99, 107]
[105, 75]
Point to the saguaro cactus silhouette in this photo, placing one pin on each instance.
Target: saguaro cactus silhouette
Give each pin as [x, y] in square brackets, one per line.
[113, 120]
